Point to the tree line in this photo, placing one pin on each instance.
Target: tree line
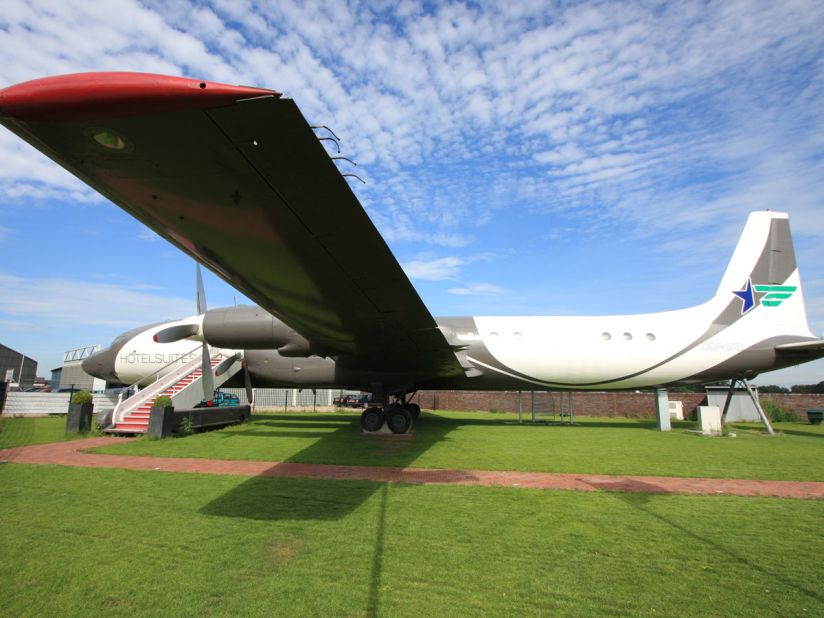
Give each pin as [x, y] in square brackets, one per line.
[770, 388]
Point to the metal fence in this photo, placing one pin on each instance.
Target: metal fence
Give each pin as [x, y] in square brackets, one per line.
[546, 405]
[286, 398]
[41, 404]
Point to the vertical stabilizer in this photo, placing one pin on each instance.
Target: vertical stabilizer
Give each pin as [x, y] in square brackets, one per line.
[762, 275]
[764, 251]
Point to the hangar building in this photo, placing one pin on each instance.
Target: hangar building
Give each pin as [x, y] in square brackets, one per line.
[16, 367]
[71, 375]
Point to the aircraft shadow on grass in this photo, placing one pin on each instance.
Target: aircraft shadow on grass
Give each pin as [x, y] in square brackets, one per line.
[798, 432]
[293, 499]
[267, 498]
[261, 499]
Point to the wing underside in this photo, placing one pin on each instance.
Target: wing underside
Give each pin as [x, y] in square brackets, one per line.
[242, 184]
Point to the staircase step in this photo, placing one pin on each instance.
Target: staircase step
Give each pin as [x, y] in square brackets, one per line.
[131, 427]
[124, 430]
[135, 421]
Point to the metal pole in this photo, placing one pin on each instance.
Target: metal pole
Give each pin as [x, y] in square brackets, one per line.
[727, 403]
[662, 409]
[763, 416]
[571, 413]
[520, 409]
[532, 399]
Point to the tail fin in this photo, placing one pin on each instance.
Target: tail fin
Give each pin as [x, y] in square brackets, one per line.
[762, 276]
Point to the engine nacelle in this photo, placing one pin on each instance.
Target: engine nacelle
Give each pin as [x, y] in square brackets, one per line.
[252, 328]
[268, 368]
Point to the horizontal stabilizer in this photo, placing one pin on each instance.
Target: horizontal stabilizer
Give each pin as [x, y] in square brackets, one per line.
[804, 351]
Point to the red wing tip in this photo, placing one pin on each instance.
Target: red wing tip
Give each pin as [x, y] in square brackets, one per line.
[81, 96]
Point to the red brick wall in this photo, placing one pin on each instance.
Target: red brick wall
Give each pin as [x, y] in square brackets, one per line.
[797, 402]
[588, 403]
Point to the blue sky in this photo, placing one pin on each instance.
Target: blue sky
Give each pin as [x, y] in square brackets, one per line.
[520, 157]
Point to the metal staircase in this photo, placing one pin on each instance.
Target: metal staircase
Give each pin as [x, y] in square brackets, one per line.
[183, 386]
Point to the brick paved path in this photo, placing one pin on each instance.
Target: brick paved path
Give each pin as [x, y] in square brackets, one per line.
[68, 454]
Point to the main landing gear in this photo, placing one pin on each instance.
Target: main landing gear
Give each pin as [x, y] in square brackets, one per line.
[399, 416]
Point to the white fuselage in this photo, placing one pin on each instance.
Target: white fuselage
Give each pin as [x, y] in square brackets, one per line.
[563, 352]
[628, 351]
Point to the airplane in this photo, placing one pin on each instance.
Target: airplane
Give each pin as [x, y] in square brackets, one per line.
[236, 177]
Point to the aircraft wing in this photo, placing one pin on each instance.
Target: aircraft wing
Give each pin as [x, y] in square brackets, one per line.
[236, 178]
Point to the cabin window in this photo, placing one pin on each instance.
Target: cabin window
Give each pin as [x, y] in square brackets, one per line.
[516, 335]
[606, 336]
[650, 337]
[627, 336]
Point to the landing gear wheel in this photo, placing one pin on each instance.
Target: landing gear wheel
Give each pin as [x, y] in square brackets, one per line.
[372, 419]
[399, 419]
[414, 409]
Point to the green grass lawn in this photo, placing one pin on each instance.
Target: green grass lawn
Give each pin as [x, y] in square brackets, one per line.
[34, 430]
[493, 442]
[117, 542]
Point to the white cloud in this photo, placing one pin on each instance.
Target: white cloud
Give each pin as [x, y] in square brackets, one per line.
[427, 268]
[438, 269]
[18, 326]
[477, 289]
[61, 303]
[606, 97]
[148, 235]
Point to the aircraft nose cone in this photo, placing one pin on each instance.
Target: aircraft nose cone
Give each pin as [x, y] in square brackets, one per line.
[101, 365]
